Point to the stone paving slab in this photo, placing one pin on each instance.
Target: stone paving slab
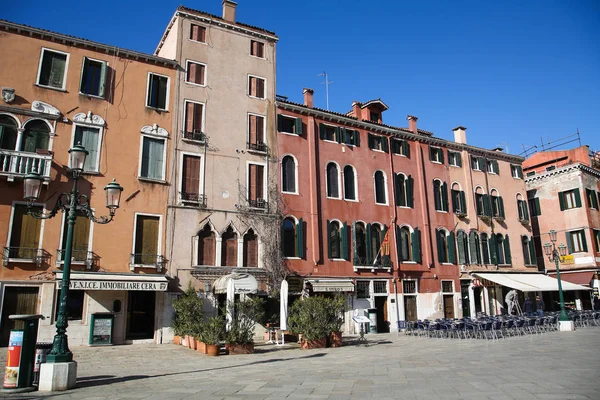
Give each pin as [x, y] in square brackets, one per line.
[551, 366]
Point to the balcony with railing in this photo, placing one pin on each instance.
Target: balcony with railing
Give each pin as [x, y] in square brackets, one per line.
[78, 257]
[142, 260]
[19, 163]
[380, 263]
[257, 204]
[193, 199]
[196, 135]
[24, 255]
[258, 147]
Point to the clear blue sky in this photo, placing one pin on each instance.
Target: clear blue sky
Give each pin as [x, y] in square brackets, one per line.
[512, 72]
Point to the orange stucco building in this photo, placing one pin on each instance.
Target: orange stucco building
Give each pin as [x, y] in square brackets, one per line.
[60, 91]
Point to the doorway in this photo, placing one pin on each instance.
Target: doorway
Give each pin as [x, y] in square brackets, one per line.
[140, 315]
[410, 308]
[383, 324]
[477, 291]
[448, 306]
[17, 300]
[466, 299]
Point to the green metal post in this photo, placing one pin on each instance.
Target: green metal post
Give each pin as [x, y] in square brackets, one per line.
[60, 347]
[563, 312]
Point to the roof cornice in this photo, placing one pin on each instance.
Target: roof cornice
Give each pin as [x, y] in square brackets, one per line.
[75, 41]
[401, 133]
[563, 170]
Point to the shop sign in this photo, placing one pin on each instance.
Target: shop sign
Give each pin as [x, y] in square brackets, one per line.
[294, 284]
[584, 260]
[13, 358]
[567, 260]
[116, 285]
[332, 289]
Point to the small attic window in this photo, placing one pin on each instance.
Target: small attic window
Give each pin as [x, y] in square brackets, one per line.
[375, 117]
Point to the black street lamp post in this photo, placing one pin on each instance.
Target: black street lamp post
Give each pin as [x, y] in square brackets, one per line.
[73, 203]
[554, 255]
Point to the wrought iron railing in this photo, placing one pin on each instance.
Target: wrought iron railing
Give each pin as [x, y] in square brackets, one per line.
[195, 135]
[193, 198]
[380, 262]
[258, 146]
[145, 260]
[257, 203]
[19, 163]
[24, 254]
[89, 258]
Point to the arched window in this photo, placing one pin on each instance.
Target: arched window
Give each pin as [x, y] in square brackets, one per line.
[485, 248]
[463, 247]
[446, 246]
[502, 247]
[525, 247]
[229, 245]
[376, 236]
[250, 249]
[8, 133]
[522, 211]
[404, 190]
[349, 183]
[459, 202]
[380, 189]
[288, 172]
[440, 195]
[36, 136]
[405, 244]
[334, 243]
[497, 205]
[360, 243]
[332, 180]
[474, 248]
[288, 239]
[206, 246]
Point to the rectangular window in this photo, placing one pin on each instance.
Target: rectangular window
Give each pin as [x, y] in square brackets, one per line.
[400, 147]
[257, 49]
[89, 138]
[147, 231]
[290, 125]
[409, 287]
[194, 121]
[380, 287]
[153, 158]
[454, 159]
[530, 173]
[569, 199]
[190, 179]
[477, 163]
[597, 240]
[576, 241]
[522, 210]
[497, 206]
[516, 171]
[330, 133]
[362, 289]
[534, 207]
[81, 238]
[374, 117]
[592, 199]
[158, 91]
[256, 179]
[93, 77]
[492, 167]
[195, 73]
[256, 133]
[436, 155]
[25, 233]
[53, 69]
[550, 168]
[256, 87]
[74, 305]
[198, 33]
[447, 287]
[350, 137]
[378, 143]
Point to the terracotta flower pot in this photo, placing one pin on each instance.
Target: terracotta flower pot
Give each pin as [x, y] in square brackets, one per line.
[176, 339]
[236, 348]
[213, 350]
[192, 342]
[335, 339]
[184, 341]
[314, 344]
[200, 347]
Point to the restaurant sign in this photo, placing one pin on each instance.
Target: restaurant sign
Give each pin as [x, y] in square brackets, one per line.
[116, 285]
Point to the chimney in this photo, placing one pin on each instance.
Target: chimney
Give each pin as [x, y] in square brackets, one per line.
[356, 110]
[229, 10]
[308, 97]
[412, 123]
[460, 134]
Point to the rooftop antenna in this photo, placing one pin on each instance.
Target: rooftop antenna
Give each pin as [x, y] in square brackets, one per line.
[505, 146]
[327, 83]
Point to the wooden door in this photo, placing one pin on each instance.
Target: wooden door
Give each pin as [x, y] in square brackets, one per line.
[410, 308]
[448, 306]
[17, 300]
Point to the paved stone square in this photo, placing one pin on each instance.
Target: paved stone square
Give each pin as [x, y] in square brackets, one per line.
[548, 366]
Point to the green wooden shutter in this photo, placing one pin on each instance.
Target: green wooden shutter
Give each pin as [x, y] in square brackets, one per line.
[279, 122]
[520, 171]
[406, 148]
[501, 206]
[103, 78]
[577, 198]
[569, 242]
[416, 245]
[437, 198]
[538, 209]
[385, 258]
[281, 236]
[561, 200]
[431, 153]
[339, 132]
[525, 210]
[398, 244]
[493, 249]
[440, 247]
[344, 233]
[329, 240]
[451, 248]
[475, 256]
[410, 199]
[396, 190]
[369, 247]
[322, 131]
[299, 126]
[532, 255]
[487, 206]
[507, 255]
[458, 159]
[384, 144]
[455, 201]
[441, 151]
[463, 202]
[583, 241]
[473, 162]
[496, 167]
[356, 138]
[354, 247]
[300, 239]
[460, 239]
[485, 248]
[445, 196]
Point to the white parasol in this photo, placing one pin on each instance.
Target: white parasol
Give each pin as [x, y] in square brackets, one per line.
[283, 310]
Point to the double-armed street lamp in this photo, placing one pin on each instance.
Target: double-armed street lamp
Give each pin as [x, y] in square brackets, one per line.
[74, 203]
[554, 255]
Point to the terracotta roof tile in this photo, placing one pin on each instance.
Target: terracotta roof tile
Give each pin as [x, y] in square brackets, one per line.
[205, 14]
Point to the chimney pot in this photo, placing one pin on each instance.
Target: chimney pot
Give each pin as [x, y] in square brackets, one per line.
[308, 97]
[412, 123]
[356, 109]
[460, 134]
[229, 10]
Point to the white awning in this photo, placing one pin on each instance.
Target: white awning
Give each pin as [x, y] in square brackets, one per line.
[244, 283]
[331, 285]
[105, 281]
[529, 282]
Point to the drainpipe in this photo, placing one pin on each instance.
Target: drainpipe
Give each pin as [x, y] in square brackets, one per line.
[314, 188]
[425, 212]
[394, 221]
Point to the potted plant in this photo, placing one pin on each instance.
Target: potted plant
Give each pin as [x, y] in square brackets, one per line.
[188, 309]
[198, 332]
[335, 320]
[244, 316]
[309, 317]
[213, 332]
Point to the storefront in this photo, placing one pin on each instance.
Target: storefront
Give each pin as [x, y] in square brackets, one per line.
[331, 287]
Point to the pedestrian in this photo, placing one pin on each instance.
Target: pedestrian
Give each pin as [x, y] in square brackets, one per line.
[540, 305]
[596, 303]
[528, 306]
